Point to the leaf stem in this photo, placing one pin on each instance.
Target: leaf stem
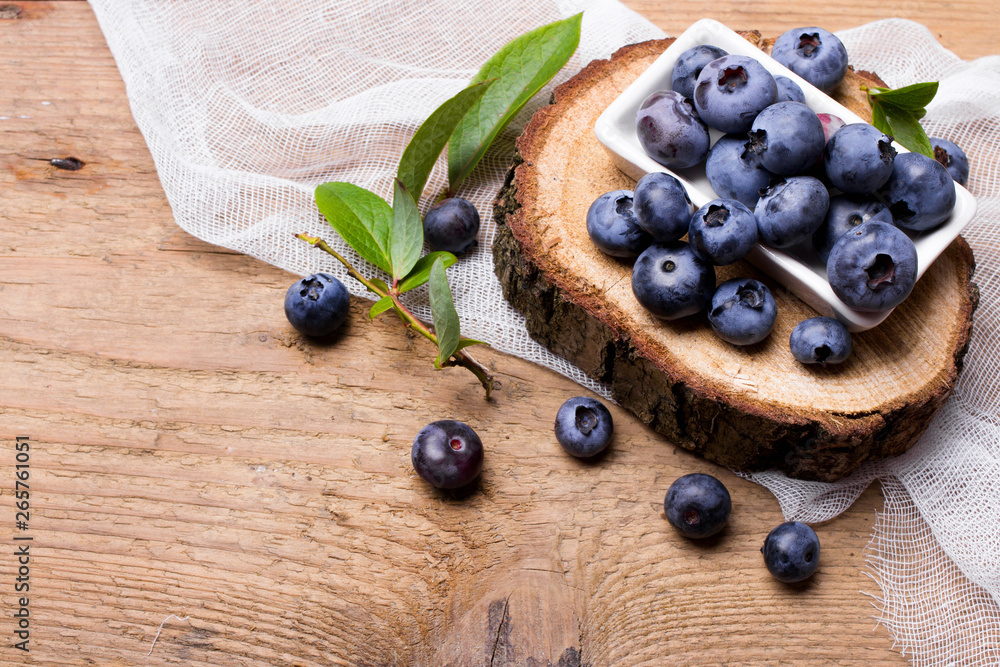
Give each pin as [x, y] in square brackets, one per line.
[460, 358]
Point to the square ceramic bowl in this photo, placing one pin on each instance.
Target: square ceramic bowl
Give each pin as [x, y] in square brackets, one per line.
[798, 269]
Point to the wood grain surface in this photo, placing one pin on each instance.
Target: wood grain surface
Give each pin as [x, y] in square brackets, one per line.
[193, 458]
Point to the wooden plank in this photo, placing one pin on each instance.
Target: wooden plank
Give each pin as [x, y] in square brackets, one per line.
[193, 456]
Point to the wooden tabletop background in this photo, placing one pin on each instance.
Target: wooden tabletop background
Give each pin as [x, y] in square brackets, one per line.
[192, 457]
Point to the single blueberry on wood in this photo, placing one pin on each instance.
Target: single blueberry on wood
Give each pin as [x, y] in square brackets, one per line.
[722, 231]
[317, 305]
[743, 311]
[670, 281]
[452, 225]
[662, 206]
[791, 552]
[447, 454]
[697, 505]
[820, 340]
[612, 225]
[583, 427]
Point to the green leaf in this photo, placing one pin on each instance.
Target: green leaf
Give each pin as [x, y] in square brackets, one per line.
[466, 342]
[430, 138]
[906, 129]
[407, 232]
[382, 305]
[362, 219]
[379, 283]
[521, 68]
[446, 326]
[422, 269]
[912, 98]
[879, 120]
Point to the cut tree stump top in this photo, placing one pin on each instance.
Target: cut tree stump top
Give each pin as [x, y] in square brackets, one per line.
[193, 458]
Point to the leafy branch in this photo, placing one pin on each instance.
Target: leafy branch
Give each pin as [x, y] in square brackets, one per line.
[898, 113]
[391, 238]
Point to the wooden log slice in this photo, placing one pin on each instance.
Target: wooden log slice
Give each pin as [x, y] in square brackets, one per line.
[750, 408]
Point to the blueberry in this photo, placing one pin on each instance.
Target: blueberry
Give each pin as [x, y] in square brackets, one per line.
[742, 311]
[791, 552]
[697, 505]
[447, 454]
[670, 131]
[689, 65]
[790, 137]
[734, 170]
[662, 206]
[820, 340]
[831, 124]
[920, 193]
[722, 231]
[845, 213]
[670, 281]
[816, 55]
[317, 305]
[951, 158]
[583, 427]
[872, 268]
[612, 226]
[859, 159]
[452, 225]
[731, 91]
[790, 210]
[788, 90]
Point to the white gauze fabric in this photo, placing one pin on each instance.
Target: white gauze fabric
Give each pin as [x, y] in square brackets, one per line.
[246, 107]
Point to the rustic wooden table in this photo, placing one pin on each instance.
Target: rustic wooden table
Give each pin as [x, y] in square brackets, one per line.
[191, 457]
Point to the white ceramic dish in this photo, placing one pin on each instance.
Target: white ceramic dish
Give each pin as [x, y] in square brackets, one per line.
[804, 275]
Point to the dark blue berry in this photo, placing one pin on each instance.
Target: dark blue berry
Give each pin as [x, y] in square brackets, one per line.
[612, 226]
[859, 159]
[722, 231]
[816, 55]
[689, 65]
[790, 210]
[670, 131]
[697, 505]
[951, 158]
[452, 225]
[584, 427]
[790, 137]
[734, 170]
[317, 305]
[920, 193]
[662, 206]
[791, 552]
[845, 213]
[820, 340]
[742, 311]
[788, 90]
[731, 91]
[447, 454]
[670, 281]
[872, 268]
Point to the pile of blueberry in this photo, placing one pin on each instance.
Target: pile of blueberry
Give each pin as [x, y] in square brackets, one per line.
[786, 177]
